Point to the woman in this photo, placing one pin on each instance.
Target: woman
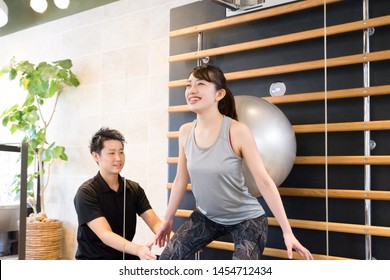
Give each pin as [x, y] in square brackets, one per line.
[211, 151]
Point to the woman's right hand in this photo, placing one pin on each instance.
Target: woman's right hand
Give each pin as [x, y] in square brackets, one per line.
[163, 234]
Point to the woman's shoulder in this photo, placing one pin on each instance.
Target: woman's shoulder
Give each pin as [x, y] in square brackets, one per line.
[186, 126]
[184, 131]
[237, 127]
[240, 136]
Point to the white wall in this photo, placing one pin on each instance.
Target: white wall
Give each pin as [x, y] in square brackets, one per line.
[120, 54]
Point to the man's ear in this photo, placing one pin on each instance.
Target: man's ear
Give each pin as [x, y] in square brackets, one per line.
[96, 157]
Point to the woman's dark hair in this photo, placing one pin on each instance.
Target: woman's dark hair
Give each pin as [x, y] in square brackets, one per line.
[213, 74]
[97, 142]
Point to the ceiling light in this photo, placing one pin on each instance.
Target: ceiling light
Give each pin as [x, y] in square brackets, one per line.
[62, 4]
[3, 13]
[38, 5]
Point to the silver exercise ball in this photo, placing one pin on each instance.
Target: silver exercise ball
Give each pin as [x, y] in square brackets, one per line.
[274, 136]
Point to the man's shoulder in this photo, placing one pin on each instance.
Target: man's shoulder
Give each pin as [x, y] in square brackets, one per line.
[90, 185]
[130, 184]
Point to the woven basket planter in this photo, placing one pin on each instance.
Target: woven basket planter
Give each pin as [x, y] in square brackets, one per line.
[43, 240]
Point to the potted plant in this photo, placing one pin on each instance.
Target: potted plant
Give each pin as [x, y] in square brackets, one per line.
[43, 83]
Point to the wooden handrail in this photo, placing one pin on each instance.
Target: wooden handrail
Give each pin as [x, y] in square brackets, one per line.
[319, 225]
[330, 95]
[330, 127]
[342, 127]
[283, 39]
[343, 160]
[284, 9]
[332, 160]
[335, 193]
[330, 193]
[336, 227]
[271, 252]
[173, 134]
[172, 160]
[311, 96]
[178, 109]
[189, 187]
[298, 67]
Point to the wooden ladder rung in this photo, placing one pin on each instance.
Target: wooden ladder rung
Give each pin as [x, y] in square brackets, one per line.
[298, 67]
[319, 225]
[272, 252]
[283, 39]
[321, 193]
[284, 9]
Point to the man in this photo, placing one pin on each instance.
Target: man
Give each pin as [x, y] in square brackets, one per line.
[107, 221]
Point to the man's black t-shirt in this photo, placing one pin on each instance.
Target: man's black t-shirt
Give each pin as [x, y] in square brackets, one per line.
[95, 199]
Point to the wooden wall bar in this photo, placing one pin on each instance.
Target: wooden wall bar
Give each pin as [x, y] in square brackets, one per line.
[330, 127]
[284, 39]
[331, 160]
[375, 90]
[272, 252]
[330, 193]
[321, 226]
[312, 96]
[300, 66]
[285, 9]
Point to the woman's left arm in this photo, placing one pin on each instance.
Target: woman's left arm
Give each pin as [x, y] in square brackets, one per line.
[244, 144]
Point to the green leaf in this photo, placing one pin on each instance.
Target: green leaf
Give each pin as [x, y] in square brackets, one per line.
[32, 117]
[73, 79]
[49, 72]
[30, 187]
[12, 74]
[47, 155]
[59, 152]
[66, 63]
[42, 65]
[25, 67]
[62, 74]
[64, 156]
[42, 89]
[13, 128]
[5, 121]
[34, 85]
[53, 88]
[30, 159]
[29, 100]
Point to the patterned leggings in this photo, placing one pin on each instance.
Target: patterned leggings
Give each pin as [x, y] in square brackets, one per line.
[249, 237]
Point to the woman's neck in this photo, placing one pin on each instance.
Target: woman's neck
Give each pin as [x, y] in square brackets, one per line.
[207, 130]
[209, 121]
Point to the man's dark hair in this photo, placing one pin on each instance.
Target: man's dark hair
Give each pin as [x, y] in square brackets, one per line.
[97, 142]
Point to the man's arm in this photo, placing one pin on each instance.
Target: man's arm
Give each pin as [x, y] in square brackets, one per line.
[151, 219]
[103, 230]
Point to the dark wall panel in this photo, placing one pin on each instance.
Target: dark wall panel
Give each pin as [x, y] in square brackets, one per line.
[310, 144]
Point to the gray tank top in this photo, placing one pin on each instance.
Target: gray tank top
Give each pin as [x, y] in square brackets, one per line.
[217, 180]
